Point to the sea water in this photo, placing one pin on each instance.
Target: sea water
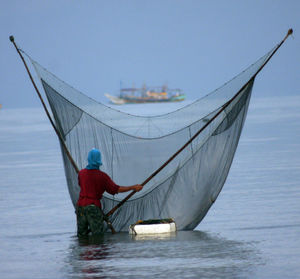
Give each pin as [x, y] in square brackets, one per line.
[252, 230]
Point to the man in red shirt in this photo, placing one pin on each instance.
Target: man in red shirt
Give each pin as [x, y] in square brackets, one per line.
[93, 183]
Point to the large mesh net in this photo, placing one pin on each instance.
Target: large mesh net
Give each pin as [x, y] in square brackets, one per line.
[133, 147]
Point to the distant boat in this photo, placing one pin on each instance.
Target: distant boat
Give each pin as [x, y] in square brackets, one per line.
[146, 95]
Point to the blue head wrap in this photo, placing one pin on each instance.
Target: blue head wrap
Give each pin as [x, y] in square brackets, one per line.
[94, 159]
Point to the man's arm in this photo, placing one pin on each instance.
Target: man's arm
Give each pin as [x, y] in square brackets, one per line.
[136, 187]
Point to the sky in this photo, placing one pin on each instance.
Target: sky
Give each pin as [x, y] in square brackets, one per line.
[194, 45]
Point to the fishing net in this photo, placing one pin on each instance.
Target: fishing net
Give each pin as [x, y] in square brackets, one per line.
[133, 147]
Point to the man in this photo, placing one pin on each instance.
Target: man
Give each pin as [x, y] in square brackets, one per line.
[93, 183]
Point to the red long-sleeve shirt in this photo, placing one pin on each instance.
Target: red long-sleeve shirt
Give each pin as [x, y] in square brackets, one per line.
[93, 183]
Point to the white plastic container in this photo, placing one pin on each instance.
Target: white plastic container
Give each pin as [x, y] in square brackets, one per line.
[152, 228]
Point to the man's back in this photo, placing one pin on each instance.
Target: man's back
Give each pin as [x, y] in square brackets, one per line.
[93, 183]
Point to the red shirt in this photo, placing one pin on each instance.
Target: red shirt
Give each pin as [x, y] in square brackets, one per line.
[93, 183]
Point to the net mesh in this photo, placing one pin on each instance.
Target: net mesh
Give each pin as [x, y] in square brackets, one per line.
[133, 147]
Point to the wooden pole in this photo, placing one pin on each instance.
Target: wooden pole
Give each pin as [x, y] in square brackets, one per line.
[45, 108]
[53, 125]
[290, 31]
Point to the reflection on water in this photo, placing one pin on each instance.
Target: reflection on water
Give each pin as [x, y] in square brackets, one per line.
[154, 237]
[85, 253]
[189, 254]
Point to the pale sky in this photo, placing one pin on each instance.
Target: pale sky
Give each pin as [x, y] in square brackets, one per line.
[192, 44]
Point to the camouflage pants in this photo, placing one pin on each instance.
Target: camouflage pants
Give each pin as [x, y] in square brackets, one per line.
[89, 219]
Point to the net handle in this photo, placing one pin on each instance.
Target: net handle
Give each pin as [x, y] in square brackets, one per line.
[290, 32]
[45, 108]
[52, 123]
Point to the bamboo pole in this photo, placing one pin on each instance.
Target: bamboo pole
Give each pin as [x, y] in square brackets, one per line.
[45, 108]
[53, 125]
[290, 31]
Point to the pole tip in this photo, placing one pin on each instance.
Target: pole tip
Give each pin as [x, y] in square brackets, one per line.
[290, 32]
[11, 38]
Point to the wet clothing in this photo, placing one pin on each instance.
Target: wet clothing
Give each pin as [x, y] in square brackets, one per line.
[93, 183]
[89, 219]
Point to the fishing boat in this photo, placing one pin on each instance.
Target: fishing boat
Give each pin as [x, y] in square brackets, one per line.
[146, 95]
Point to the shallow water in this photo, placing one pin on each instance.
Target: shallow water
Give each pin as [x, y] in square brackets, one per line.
[252, 231]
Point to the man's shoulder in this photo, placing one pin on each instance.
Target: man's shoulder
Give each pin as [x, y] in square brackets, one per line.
[87, 171]
[82, 171]
[93, 171]
[103, 174]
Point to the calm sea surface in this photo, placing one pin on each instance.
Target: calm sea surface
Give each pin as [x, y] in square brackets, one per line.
[252, 230]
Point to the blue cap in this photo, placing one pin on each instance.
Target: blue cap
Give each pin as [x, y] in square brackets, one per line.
[94, 159]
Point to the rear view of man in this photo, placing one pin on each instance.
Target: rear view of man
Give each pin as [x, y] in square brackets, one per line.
[93, 183]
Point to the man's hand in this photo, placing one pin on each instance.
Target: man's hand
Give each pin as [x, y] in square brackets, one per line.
[137, 187]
